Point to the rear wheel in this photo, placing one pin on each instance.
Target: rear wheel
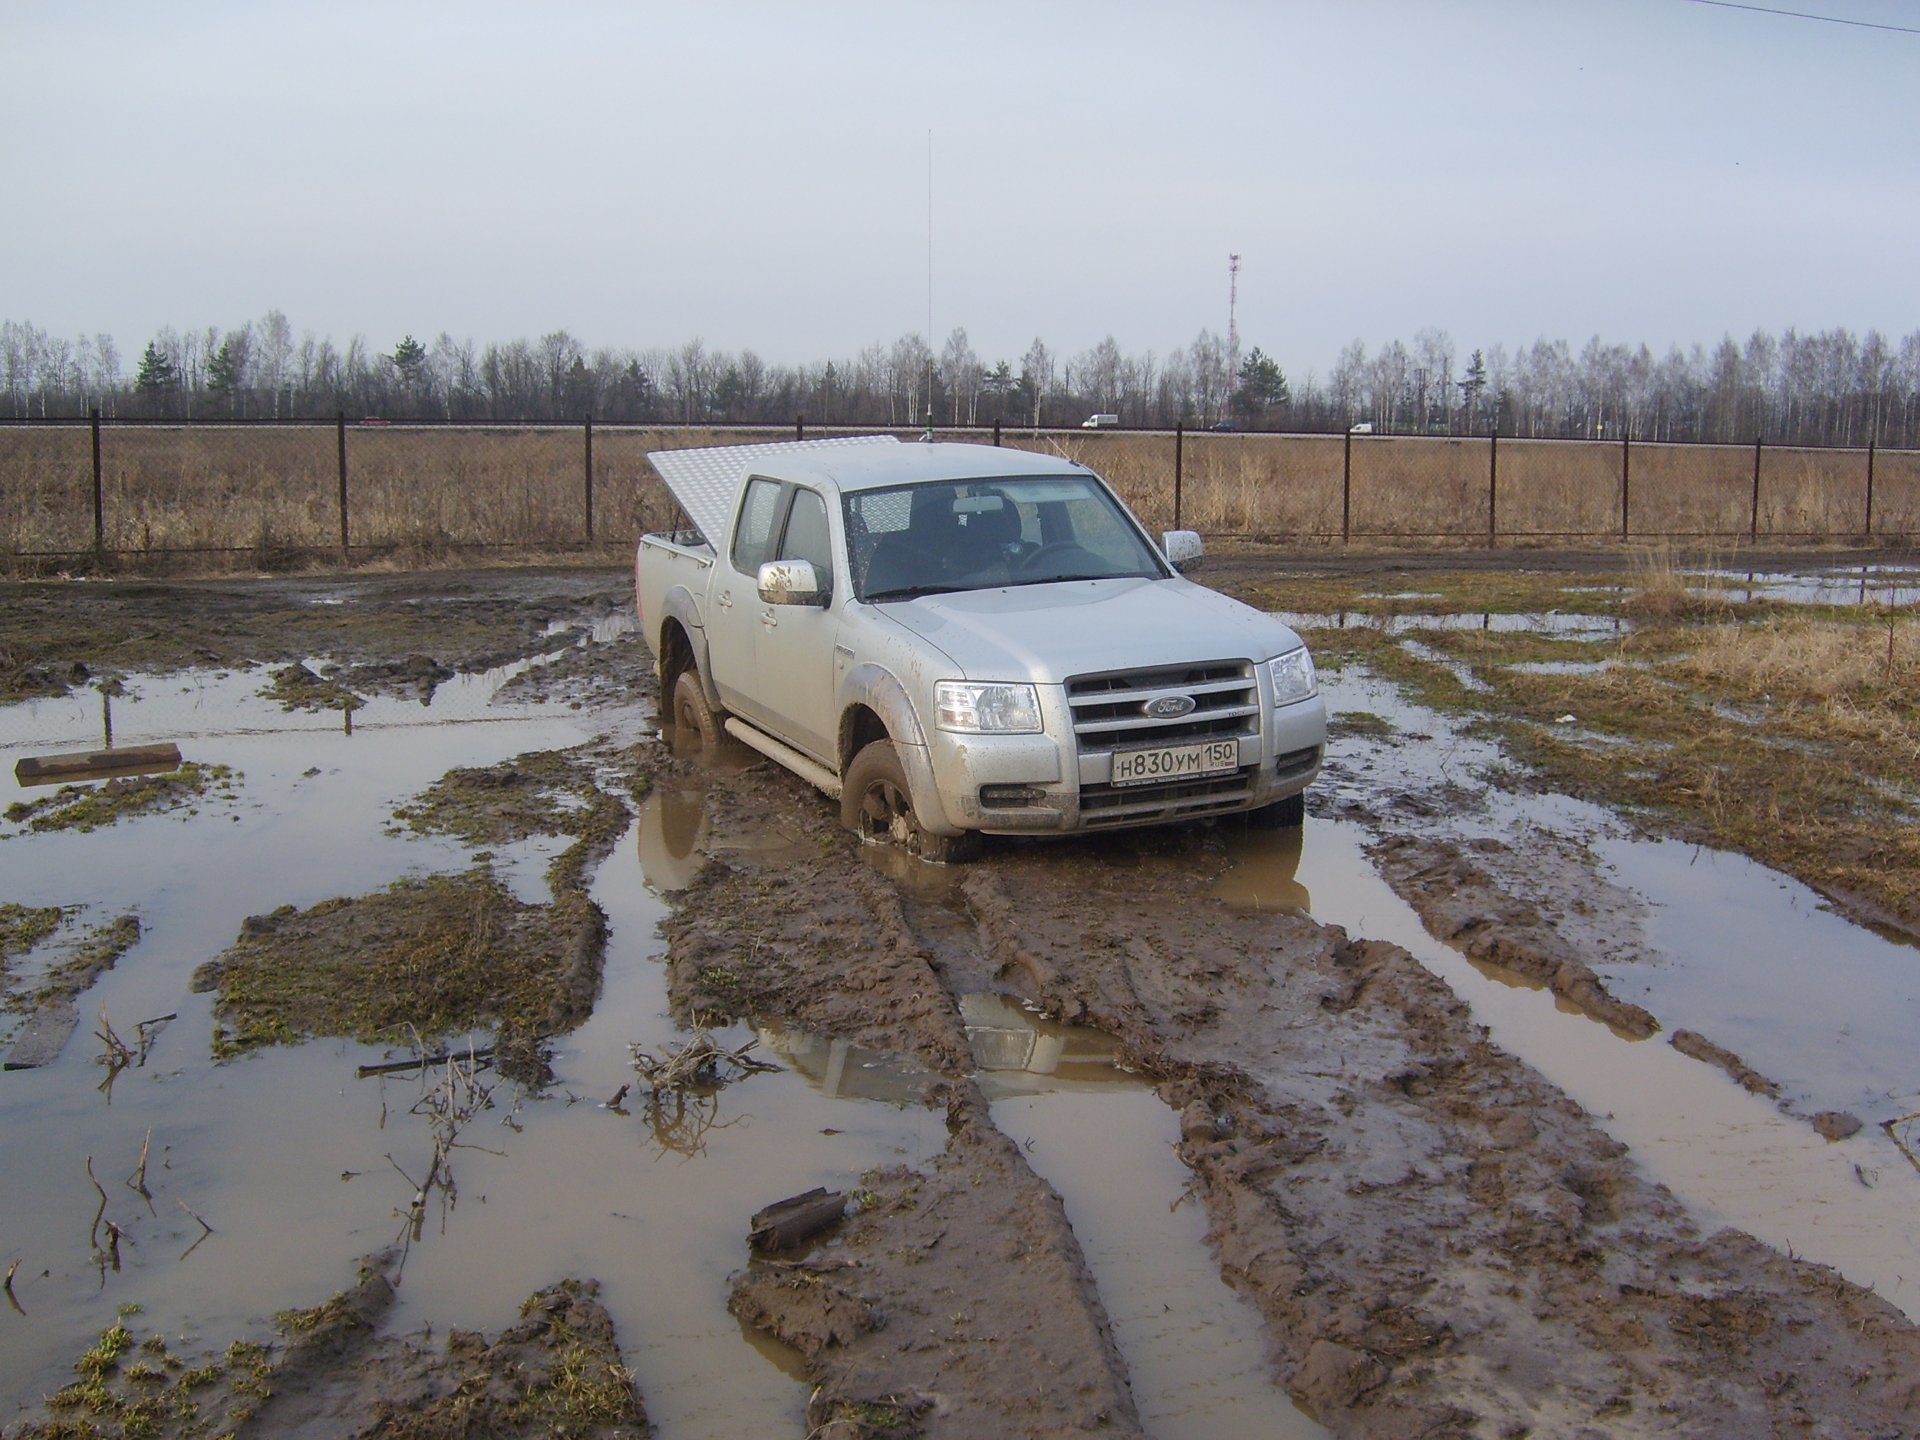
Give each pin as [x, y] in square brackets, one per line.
[1287, 814]
[877, 803]
[696, 725]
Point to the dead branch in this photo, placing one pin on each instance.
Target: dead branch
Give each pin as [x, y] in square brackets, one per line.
[702, 1061]
[118, 1054]
[13, 1299]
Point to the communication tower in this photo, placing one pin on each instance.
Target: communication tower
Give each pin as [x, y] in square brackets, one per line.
[1233, 326]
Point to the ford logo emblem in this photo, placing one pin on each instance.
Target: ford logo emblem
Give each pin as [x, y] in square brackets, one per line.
[1170, 707]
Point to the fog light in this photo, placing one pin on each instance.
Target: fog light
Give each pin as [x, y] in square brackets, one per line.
[1010, 797]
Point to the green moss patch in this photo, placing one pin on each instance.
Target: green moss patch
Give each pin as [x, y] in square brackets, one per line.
[425, 958]
[24, 926]
[88, 807]
[97, 951]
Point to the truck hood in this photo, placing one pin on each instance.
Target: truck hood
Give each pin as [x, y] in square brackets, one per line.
[1046, 633]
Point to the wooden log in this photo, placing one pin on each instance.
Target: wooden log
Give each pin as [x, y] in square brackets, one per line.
[790, 1223]
[36, 768]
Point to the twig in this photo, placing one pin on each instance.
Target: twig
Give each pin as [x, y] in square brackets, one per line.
[149, 1031]
[1887, 1125]
[93, 1235]
[13, 1299]
[390, 1067]
[138, 1180]
[195, 1218]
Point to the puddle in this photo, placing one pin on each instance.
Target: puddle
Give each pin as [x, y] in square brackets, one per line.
[1760, 963]
[296, 1165]
[1551, 622]
[1741, 954]
[1839, 585]
[1195, 1350]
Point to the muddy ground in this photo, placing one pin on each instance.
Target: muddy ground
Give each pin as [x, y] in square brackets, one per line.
[1440, 1242]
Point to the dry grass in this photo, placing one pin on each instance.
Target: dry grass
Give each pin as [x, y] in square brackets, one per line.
[272, 493]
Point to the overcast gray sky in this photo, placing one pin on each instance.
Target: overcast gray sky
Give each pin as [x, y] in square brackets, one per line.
[757, 174]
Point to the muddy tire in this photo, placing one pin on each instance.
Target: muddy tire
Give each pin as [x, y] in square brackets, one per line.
[1288, 814]
[876, 804]
[695, 722]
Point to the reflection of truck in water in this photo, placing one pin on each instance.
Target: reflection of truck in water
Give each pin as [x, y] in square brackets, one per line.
[957, 640]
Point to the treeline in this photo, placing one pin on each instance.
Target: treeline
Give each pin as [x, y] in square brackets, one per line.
[1824, 388]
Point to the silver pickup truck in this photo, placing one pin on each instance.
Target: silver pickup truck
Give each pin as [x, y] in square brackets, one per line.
[957, 640]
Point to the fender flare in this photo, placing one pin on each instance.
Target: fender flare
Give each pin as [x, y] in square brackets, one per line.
[680, 605]
[880, 691]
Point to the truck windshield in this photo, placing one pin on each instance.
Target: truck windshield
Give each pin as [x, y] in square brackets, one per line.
[947, 535]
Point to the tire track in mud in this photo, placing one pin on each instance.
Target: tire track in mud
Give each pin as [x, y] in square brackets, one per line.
[1440, 1241]
[955, 1300]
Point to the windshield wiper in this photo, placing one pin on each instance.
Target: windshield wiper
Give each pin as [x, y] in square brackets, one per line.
[907, 592]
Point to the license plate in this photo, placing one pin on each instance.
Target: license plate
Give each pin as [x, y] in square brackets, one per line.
[1175, 762]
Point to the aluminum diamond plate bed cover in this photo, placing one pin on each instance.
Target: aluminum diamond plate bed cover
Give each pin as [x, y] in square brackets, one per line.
[706, 480]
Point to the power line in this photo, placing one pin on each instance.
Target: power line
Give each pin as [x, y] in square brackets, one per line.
[1803, 15]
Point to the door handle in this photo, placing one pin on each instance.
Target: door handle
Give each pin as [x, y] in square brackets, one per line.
[724, 599]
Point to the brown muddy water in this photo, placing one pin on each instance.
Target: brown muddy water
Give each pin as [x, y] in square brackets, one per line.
[299, 1168]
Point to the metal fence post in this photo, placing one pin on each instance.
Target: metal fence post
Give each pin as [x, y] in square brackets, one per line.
[1870, 489]
[799, 427]
[996, 429]
[1493, 484]
[1346, 488]
[1626, 482]
[1179, 460]
[1753, 523]
[99, 491]
[589, 479]
[340, 431]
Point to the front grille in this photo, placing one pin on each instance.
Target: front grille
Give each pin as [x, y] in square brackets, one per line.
[1110, 714]
[1110, 710]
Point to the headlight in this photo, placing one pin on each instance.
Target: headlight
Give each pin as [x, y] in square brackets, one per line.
[987, 709]
[1293, 677]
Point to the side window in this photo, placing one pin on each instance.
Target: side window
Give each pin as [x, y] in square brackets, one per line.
[807, 538]
[751, 537]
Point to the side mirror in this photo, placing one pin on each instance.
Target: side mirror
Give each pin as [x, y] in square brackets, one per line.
[790, 582]
[1183, 550]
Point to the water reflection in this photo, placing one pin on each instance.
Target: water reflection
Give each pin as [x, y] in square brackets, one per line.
[1264, 876]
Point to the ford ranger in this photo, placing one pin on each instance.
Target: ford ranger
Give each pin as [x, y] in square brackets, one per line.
[956, 640]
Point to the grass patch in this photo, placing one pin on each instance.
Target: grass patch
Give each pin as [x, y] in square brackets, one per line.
[24, 926]
[89, 807]
[96, 952]
[436, 957]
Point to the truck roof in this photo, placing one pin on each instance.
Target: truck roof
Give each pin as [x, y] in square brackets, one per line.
[706, 480]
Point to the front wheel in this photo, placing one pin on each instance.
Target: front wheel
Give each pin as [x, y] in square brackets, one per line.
[877, 804]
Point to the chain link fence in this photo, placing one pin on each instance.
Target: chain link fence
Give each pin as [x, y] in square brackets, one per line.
[280, 491]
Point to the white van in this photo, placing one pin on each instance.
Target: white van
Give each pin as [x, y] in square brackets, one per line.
[1100, 422]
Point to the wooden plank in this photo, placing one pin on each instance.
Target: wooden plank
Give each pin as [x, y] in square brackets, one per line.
[44, 1036]
[97, 762]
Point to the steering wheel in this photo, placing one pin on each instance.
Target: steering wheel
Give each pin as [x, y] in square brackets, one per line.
[1060, 553]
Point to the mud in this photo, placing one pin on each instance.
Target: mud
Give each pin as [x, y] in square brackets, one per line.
[334, 1371]
[1439, 1241]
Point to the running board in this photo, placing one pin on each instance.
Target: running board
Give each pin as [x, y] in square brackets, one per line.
[783, 754]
